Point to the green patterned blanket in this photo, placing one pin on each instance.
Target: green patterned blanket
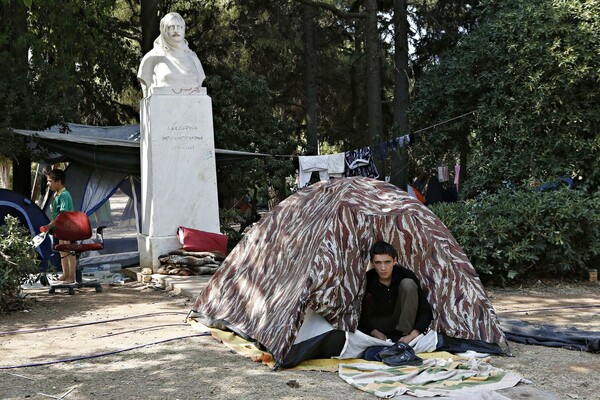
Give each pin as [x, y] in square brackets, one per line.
[465, 379]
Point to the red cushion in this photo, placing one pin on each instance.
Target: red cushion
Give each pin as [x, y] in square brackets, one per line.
[78, 247]
[72, 225]
[195, 240]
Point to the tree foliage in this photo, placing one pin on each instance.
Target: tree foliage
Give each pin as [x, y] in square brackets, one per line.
[531, 71]
[18, 260]
[54, 70]
[528, 68]
[517, 234]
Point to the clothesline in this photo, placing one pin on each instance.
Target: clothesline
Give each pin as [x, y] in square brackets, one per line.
[415, 132]
[431, 127]
[445, 122]
[358, 162]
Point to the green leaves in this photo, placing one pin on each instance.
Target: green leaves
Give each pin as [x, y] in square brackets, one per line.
[519, 234]
[530, 69]
[18, 259]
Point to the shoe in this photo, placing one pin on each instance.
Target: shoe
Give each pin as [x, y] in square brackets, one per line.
[399, 354]
[395, 349]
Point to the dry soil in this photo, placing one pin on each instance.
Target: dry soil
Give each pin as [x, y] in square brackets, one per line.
[169, 361]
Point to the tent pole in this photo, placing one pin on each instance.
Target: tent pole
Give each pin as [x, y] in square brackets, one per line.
[35, 182]
[135, 205]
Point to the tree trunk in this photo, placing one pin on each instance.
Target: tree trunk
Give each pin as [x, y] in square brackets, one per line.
[150, 22]
[463, 157]
[5, 165]
[18, 49]
[373, 73]
[310, 79]
[22, 175]
[374, 108]
[401, 96]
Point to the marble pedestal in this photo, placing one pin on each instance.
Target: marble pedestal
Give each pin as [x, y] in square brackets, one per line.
[178, 171]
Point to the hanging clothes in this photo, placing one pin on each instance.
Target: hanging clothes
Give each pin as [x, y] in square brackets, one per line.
[328, 166]
[308, 165]
[359, 162]
[336, 165]
[456, 175]
[443, 173]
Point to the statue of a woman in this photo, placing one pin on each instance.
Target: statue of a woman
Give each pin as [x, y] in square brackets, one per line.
[171, 64]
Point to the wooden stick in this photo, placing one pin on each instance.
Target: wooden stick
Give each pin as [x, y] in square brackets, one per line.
[21, 376]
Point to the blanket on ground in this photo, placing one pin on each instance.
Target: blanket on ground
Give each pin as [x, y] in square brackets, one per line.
[549, 335]
[467, 379]
[250, 350]
[441, 374]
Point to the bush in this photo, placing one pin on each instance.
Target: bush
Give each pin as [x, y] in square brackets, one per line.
[18, 260]
[514, 235]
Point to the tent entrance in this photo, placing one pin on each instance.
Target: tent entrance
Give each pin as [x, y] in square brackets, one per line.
[120, 237]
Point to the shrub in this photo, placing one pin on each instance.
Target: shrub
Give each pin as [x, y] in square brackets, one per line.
[512, 235]
[18, 260]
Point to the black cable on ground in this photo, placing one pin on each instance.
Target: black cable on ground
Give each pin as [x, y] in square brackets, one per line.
[108, 353]
[89, 323]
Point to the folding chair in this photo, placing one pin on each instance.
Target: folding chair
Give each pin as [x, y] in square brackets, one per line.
[74, 226]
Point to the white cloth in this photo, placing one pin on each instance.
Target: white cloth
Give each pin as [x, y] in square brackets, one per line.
[425, 343]
[358, 342]
[310, 164]
[327, 166]
[313, 326]
[336, 163]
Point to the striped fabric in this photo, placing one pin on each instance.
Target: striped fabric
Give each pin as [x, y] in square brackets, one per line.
[312, 251]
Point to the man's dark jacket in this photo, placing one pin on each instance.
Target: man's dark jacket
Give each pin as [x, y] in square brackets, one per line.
[379, 300]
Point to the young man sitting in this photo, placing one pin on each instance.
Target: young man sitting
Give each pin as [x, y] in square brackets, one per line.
[394, 305]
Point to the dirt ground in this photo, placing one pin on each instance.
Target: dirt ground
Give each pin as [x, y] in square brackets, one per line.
[198, 367]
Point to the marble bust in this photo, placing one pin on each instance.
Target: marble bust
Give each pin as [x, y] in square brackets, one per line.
[171, 67]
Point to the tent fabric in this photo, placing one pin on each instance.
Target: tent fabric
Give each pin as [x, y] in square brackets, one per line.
[115, 148]
[32, 217]
[311, 252]
[90, 189]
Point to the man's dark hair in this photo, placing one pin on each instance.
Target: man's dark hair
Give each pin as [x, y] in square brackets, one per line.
[382, 247]
[57, 175]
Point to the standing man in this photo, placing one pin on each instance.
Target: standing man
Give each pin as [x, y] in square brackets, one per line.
[61, 201]
[394, 305]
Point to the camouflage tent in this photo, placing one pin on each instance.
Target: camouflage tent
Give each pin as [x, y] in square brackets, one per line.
[311, 252]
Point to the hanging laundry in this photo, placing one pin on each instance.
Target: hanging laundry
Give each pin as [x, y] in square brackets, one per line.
[402, 141]
[456, 175]
[443, 173]
[336, 164]
[392, 144]
[360, 163]
[328, 166]
[310, 164]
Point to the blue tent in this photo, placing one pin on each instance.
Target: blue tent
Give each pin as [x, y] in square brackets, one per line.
[32, 217]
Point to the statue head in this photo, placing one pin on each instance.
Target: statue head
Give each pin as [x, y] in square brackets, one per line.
[172, 31]
[171, 64]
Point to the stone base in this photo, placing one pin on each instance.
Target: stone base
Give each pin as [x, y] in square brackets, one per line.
[152, 247]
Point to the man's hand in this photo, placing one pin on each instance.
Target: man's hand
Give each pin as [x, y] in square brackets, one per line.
[376, 334]
[48, 227]
[408, 338]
